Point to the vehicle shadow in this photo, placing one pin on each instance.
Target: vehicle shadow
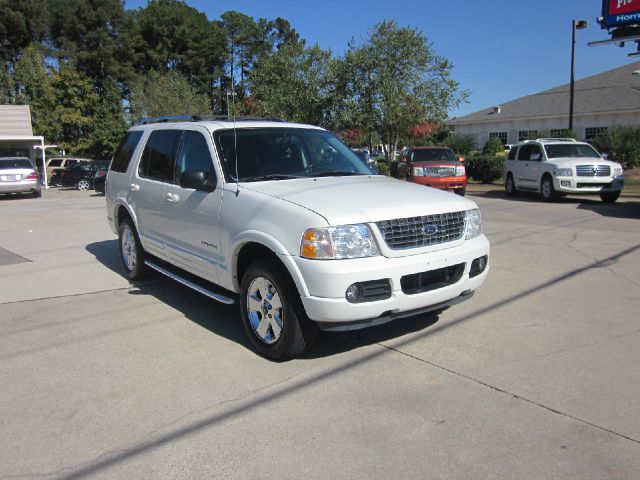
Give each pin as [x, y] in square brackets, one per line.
[623, 208]
[224, 320]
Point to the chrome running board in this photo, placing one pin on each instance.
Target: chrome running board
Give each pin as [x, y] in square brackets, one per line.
[187, 283]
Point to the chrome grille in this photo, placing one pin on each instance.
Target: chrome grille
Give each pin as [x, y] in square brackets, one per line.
[440, 171]
[593, 170]
[414, 232]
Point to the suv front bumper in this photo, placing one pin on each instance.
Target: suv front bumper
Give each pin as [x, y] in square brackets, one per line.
[327, 282]
[579, 185]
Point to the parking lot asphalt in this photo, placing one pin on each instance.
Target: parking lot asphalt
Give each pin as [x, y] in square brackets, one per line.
[535, 377]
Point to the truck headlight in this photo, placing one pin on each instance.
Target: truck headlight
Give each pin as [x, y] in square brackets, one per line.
[474, 223]
[617, 171]
[345, 241]
[460, 171]
[563, 172]
[418, 172]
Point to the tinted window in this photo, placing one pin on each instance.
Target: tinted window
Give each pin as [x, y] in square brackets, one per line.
[433, 154]
[512, 153]
[193, 155]
[159, 154]
[55, 162]
[7, 164]
[570, 150]
[125, 151]
[525, 152]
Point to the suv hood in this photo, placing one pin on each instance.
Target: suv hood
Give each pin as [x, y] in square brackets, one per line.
[573, 161]
[362, 199]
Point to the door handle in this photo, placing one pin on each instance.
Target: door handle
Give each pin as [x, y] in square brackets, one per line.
[134, 187]
[172, 197]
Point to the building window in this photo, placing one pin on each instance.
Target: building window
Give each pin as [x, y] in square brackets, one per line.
[590, 133]
[501, 135]
[527, 135]
[559, 133]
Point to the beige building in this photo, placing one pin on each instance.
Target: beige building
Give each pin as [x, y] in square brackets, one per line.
[600, 102]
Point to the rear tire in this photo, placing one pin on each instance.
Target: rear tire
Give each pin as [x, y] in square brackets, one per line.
[547, 190]
[83, 184]
[132, 255]
[37, 193]
[609, 197]
[272, 312]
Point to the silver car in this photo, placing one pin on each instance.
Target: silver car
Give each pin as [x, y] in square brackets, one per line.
[18, 175]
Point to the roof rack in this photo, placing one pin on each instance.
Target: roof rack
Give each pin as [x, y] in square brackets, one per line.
[556, 140]
[200, 118]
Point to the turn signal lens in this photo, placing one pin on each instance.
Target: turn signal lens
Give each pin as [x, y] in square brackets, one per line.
[316, 243]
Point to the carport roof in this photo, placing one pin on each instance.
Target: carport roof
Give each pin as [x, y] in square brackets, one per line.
[614, 91]
[15, 120]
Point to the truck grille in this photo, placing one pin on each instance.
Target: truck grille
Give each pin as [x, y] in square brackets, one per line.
[415, 232]
[593, 170]
[440, 171]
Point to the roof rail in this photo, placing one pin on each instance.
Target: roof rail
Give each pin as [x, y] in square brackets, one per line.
[556, 140]
[200, 118]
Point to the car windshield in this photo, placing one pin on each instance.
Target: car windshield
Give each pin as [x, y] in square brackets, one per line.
[285, 153]
[11, 163]
[570, 150]
[433, 155]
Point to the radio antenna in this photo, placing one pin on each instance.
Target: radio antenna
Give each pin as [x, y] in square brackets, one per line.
[235, 133]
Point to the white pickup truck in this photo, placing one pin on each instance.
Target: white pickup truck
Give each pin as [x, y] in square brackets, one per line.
[288, 221]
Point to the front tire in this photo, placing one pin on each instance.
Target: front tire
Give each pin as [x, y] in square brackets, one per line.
[132, 255]
[83, 185]
[461, 191]
[609, 197]
[510, 186]
[272, 312]
[547, 190]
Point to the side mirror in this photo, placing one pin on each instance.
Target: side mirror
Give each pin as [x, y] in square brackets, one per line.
[461, 159]
[605, 156]
[535, 157]
[198, 180]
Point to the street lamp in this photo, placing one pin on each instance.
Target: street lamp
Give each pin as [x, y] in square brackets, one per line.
[575, 25]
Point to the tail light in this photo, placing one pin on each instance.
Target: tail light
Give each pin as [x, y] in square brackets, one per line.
[32, 176]
[100, 173]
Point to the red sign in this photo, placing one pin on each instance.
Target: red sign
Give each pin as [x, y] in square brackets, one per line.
[623, 6]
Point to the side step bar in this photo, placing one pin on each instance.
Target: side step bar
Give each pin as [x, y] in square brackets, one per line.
[215, 296]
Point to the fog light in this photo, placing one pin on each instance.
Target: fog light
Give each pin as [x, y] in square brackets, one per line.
[565, 183]
[478, 266]
[354, 292]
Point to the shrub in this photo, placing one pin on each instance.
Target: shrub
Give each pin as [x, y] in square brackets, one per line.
[460, 144]
[621, 144]
[383, 167]
[493, 146]
[484, 168]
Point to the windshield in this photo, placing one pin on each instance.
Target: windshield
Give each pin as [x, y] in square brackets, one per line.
[285, 153]
[10, 163]
[433, 155]
[570, 150]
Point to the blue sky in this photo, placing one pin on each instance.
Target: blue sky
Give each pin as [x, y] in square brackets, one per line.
[501, 49]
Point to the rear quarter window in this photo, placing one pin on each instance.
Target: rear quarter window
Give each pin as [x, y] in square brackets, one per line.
[125, 150]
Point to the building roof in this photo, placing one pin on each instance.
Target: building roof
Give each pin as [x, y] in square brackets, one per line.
[15, 120]
[616, 90]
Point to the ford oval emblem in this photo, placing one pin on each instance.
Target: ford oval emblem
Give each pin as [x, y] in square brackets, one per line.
[430, 229]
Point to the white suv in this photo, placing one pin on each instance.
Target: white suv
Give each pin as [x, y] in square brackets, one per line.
[560, 166]
[304, 236]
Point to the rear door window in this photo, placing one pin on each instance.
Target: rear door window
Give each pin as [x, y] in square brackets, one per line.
[525, 152]
[159, 154]
[512, 153]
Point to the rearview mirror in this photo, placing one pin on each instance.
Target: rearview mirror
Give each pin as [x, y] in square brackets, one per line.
[605, 156]
[198, 180]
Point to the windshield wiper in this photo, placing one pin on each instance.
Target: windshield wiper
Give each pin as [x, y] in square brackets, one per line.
[335, 173]
[272, 176]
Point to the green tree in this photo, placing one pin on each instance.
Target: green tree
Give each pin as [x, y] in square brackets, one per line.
[492, 147]
[292, 83]
[33, 87]
[460, 144]
[621, 144]
[166, 94]
[21, 22]
[393, 82]
[98, 37]
[108, 122]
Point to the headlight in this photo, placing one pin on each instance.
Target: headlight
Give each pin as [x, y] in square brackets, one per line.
[474, 223]
[418, 172]
[617, 171]
[460, 171]
[345, 241]
[563, 172]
